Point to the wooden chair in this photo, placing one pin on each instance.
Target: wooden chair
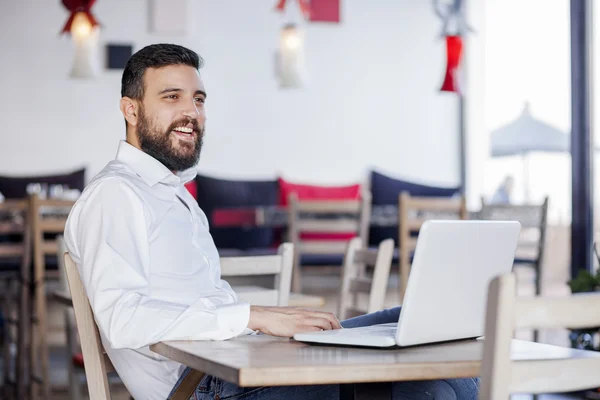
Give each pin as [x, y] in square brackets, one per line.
[75, 365]
[505, 313]
[325, 217]
[413, 212]
[43, 223]
[356, 282]
[532, 243]
[96, 362]
[17, 256]
[279, 266]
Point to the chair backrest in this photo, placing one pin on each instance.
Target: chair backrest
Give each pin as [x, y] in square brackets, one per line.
[356, 282]
[70, 324]
[279, 265]
[324, 227]
[44, 222]
[413, 212]
[94, 360]
[506, 313]
[327, 217]
[533, 219]
[17, 224]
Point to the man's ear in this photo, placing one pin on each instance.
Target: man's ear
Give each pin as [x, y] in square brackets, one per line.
[130, 109]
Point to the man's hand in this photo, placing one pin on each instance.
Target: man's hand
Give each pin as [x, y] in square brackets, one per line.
[286, 321]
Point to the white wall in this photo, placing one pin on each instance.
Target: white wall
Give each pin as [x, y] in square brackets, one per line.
[373, 98]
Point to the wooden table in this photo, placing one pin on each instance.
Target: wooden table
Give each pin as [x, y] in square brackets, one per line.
[249, 361]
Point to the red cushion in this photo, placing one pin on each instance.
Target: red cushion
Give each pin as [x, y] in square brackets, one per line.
[317, 192]
[78, 359]
[192, 188]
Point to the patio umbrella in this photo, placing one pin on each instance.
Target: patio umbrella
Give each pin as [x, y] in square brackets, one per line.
[526, 135]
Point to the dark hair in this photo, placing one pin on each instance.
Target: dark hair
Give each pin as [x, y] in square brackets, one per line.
[154, 56]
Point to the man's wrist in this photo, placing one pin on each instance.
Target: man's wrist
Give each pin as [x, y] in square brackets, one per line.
[255, 320]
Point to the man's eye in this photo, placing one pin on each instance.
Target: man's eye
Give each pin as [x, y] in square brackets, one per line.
[200, 100]
[172, 96]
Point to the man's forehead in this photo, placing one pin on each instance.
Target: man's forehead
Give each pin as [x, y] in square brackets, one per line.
[182, 76]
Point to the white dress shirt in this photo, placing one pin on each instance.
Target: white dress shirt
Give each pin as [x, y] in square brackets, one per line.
[150, 268]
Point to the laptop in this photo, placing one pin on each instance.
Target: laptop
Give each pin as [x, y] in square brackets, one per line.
[446, 295]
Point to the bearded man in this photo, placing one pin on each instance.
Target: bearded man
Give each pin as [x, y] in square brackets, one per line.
[148, 262]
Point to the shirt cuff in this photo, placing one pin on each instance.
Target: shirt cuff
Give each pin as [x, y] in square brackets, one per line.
[233, 319]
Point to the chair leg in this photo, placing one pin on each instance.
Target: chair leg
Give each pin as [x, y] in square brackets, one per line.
[22, 336]
[74, 385]
[32, 342]
[538, 292]
[6, 339]
[43, 329]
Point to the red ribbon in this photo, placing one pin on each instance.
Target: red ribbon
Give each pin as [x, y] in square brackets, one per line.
[454, 47]
[304, 7]
[75, 6]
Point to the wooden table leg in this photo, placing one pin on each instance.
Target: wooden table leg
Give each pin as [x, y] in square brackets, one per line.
[366, 391]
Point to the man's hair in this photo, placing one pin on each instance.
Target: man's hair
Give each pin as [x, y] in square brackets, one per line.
[154, 56]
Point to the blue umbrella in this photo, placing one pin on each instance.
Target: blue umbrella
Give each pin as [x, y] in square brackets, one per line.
[526, 135]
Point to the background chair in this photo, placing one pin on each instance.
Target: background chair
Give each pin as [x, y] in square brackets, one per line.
[532, 243]
[279, 266]
[320, 230]
[15, 260]
[506, 313]
[356, 281]
[48, 219]
[413, 212]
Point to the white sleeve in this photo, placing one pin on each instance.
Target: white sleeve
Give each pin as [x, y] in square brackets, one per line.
[108, 231]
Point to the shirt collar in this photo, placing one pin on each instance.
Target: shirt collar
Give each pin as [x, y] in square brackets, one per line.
[150, 169]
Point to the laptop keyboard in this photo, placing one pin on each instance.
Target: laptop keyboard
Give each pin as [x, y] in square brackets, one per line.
[374, 330]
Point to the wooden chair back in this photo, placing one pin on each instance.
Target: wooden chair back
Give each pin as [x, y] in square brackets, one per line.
[413, 212]
[279, 265]
[356, 282]
[15, 218]
[532, 242]
[506, 313]
[48, 216]
[325, 217]
[96, 363]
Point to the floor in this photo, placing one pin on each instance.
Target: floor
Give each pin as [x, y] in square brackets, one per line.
[326, 286]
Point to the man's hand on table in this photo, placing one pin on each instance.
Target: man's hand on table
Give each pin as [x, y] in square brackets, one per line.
[286, 321]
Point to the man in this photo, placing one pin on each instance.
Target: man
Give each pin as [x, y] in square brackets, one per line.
[147, 260]
[504, 191]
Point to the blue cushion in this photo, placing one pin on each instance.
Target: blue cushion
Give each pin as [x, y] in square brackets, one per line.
[321, 259]
[213, 193]
[13, 187]
[386, 191]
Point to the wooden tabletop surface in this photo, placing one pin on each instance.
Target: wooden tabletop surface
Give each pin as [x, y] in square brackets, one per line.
[260, 360]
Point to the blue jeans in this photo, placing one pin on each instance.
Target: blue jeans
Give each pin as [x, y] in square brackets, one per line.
[447, 389]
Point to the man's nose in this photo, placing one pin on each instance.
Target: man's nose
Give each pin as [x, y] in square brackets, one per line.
[191, 111]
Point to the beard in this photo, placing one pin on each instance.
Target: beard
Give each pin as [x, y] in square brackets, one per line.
[158, 144]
